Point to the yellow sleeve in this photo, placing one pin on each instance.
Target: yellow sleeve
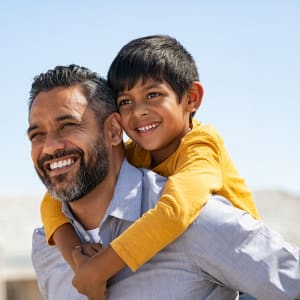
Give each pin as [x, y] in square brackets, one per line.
[196, 174]
[137, 156]
[52, 216]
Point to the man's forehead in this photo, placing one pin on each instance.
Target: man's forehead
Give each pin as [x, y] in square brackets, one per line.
[58, 102]
[61, 98]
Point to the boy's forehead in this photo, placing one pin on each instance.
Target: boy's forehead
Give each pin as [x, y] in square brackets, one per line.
[147, 83]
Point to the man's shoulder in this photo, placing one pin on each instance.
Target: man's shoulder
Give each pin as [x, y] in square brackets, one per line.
[39, 237]
[136, 173]
[53, 273]
[153, 185]
[41, 252]
[150, 176]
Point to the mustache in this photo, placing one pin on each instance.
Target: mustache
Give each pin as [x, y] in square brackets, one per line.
[58, 154]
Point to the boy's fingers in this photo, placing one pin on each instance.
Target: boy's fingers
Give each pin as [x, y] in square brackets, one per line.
[78, 256]
[90, 249]
[96, 246]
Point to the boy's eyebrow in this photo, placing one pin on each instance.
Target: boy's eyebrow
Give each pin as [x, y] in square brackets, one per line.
[146, 86]
[58, 119]
[153, 84]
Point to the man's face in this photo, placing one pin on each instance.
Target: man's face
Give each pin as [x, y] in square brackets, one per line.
[67, 146]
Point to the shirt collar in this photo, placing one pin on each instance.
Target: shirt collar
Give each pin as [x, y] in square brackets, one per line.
[127, 199]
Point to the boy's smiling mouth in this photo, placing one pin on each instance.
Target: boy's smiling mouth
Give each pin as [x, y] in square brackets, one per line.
[147, 128]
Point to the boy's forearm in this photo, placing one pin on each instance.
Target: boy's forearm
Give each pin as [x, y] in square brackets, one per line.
[92, 272]
[66, 239]
[106, 264]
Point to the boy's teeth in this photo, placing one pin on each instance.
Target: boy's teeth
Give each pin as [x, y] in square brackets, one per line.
[146, 128]
[61, 164]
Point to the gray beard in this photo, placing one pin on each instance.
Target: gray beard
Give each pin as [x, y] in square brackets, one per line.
[90, 174]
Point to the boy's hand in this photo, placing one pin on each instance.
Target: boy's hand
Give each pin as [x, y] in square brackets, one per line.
[83, 278]
[90, 249]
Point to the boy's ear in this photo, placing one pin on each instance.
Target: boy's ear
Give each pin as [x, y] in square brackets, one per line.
[195, 95]
[114, 129]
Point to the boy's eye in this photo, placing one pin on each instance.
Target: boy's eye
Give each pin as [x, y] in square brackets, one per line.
[153, 95]
[122, 102]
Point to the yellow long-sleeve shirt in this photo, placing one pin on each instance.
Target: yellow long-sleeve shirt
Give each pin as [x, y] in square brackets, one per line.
[199, 167]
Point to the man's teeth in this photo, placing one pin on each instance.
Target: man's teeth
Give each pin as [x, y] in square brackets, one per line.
[61, 164]
[146, 128]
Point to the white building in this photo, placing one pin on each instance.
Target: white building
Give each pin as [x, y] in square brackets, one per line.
[18, 217]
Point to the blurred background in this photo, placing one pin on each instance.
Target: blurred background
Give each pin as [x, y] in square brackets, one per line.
[247, 53]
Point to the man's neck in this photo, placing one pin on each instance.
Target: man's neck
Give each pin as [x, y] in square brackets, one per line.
[90, 209]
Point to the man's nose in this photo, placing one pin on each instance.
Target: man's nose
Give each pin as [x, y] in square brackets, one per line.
[53, 142]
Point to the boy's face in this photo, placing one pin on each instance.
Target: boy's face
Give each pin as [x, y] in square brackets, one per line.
[152, 116]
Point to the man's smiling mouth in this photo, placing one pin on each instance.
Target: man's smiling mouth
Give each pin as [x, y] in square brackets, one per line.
[60, 164]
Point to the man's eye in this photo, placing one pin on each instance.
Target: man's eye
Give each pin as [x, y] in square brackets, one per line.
[35, 136]
[123, 102]
[67, 125]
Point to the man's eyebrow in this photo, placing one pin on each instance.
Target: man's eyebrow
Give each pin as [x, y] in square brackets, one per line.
[31, 128]
[58, 119]
[66, 117]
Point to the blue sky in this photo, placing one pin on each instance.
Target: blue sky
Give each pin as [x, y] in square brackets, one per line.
[247, 53]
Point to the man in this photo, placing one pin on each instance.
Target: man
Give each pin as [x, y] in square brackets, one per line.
[78, 153]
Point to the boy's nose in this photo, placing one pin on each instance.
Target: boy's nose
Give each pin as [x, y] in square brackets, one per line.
[141, 110]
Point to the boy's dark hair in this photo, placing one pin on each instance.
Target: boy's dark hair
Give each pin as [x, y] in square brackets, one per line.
[96, 90]
[159, 57]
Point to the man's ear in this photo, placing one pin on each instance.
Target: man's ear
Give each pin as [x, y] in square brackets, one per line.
[195, 95]
[114, 128]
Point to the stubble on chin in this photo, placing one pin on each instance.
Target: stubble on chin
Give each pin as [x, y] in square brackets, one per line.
[59, 187]
[73, 185]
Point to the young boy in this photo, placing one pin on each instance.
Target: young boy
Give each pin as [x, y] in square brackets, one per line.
[157, 89]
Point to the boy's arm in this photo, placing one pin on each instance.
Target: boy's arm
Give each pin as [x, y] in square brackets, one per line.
[58, 229]
[88, 279]
[52, 216]
[181, 202]
[196, 173]
[65, 238]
